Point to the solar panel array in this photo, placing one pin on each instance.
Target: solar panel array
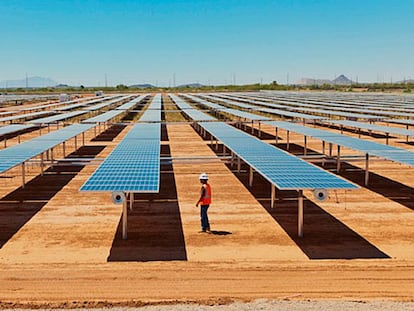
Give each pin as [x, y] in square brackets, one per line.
[285, 171]
[17, 154]
[372, 127]
[280, 168]
[302, 109]
[281, 112]
[372, 148]
[238, 113]
[190, 111]
[106, 116]
[134, 165]
[12, 128]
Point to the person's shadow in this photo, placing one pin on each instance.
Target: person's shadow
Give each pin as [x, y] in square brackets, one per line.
[217, 232]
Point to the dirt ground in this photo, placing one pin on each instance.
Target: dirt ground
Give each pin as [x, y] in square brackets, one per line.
[63, 248]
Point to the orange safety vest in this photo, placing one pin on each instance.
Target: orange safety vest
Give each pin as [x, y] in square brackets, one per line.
[206, 200]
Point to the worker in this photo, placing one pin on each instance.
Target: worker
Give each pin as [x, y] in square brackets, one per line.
[204, 202]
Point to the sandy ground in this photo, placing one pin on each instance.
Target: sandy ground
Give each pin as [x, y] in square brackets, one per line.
[62, 248]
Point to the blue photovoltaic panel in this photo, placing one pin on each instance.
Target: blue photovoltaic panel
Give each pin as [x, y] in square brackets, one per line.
[17, 154]
[274, 111]
[372, 148]
[89, 102]
[24, 116]
[57, 118]
[134, 165]
[372, 127]
[12, 128]
[106, 116]
[235, 112]
[280, 168]
[192, 113]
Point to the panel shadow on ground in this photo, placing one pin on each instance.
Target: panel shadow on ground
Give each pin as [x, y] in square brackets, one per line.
[325, 237]
[19, 206]
[155, 231]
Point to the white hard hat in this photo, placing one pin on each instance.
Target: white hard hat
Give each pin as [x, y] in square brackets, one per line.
[203, 176]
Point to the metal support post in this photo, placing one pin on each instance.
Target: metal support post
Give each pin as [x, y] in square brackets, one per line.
[330, 149]
[51, 155]
[131, 201]
[338, 159]
[23, 175]
[276, 137]
[387, 138]
[224, 150]
[125, 220]
[250, 176]
[76, 142]
[83, 139]
[216, 144]
[287, 140]
[252, 127]
[64, 149]
[273, 196]
[305, 148]
[300, 214]
[18, 139]
[5, 142]
[41, 164]
[260, 130]
[366, 169]
[238, 164]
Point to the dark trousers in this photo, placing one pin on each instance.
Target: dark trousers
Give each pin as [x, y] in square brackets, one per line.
[205, 225]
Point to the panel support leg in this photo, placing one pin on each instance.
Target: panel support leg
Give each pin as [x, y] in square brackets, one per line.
[273, 196]
[23, 175]
[250, 176]
[238, 164]
[276, 137]
[287, 140]
[305, 148]
[300, 214]
[41, 164]
[366, 169]
[125, 220]
[338, 159]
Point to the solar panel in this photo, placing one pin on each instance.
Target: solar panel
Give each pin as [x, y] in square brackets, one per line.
[372, 148]
[372, 127]
[285, 171]
[235, 112]
[17, 154]
[281, 112]
[106, 116]
[12, 128]
[24, 116]
[134, 165]
[190, 111]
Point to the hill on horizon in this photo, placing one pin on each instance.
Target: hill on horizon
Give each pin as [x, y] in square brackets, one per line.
[31, 82]
[340, 80]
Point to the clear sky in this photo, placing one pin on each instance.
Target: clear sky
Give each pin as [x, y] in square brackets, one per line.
[207, 41]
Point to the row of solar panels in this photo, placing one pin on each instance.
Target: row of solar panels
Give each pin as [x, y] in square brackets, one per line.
[134, 165]
[367, 147]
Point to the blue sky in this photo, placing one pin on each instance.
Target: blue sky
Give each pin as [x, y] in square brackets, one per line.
[212, 41]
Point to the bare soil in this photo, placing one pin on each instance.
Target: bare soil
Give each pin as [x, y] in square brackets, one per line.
[62, 248]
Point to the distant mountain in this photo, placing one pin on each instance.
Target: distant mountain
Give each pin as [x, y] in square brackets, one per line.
[142, 86]
[31, 83]
[195, 85]
[340, 80]
[308, 81]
